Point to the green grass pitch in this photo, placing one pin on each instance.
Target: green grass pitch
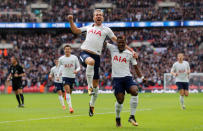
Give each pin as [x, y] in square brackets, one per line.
[155, 112]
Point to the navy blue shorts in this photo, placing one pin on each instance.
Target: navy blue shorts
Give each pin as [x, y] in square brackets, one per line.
[68, 81]
[182, 85]
[122, 84]
[84, 55]
[59, 86]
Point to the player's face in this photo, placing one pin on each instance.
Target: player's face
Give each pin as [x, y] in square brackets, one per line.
[180, 57]
[98, 18]
[121, 45]
[67, 51]
[56, 62]
[13, 60]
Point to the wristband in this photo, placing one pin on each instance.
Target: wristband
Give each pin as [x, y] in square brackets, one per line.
[142, 77]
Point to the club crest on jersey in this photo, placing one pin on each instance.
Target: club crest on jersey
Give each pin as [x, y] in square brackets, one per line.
[68, 65]
[95, 32]
[119, 59]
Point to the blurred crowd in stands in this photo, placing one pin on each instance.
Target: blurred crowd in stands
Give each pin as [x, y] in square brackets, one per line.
[36, 52]
[122, 10]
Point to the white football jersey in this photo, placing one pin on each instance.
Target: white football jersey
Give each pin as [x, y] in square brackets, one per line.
[181, 69]
[68, 65]
[55, 72]
[95, 37]
[121, 61]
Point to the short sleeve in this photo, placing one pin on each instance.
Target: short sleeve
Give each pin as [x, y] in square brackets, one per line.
[110, 33]
[110, 47]
[173, 68]
[21, 70]
[83, 29]
[133, 61]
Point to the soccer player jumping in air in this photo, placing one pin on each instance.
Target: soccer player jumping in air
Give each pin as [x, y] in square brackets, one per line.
[91, 51]
[122, 78]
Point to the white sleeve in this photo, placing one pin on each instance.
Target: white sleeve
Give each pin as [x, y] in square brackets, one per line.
[83, 29]
[188, 66]
[60, 62]
[133, 61]
[59, 73]
[110, 33]
[77, 64]
[110, 46]
[173, 69]
[51, 72]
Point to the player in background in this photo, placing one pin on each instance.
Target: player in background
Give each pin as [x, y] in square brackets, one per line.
[122, 78]
[91, 51]
[181, 71]
[69, 67]
[16, 73]
[57, 77]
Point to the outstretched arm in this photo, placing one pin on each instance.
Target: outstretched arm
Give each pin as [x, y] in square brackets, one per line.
[135, 55]
[73, 27]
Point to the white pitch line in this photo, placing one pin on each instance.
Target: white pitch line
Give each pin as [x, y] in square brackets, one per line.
[2, 122]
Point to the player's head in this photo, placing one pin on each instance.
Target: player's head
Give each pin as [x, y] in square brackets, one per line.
[67, 50]
[98, 17]
[56, 61]
[121, 43]
[180, 56]
[14, 60]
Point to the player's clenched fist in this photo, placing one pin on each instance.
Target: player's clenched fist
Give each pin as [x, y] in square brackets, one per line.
[70, 17]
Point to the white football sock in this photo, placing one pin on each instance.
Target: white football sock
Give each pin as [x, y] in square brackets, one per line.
[61, 100]
[94, 96]
[133, 104]
[182, 100]
[89, 75]
[118, 108]
[68, 99]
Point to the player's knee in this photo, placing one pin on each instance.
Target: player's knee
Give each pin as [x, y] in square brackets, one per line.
[134, 91]
[186, 94]
[120, 101]
[90, 61]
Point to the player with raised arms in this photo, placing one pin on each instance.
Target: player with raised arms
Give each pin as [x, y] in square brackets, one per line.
[181, 70]
[91, 51]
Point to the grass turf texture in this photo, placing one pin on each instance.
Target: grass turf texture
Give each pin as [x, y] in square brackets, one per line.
[155, 112]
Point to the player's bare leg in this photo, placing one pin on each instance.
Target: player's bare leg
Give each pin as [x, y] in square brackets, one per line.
[89, 74]
[118, 107]
[68, 97]
[182, 93]
[93, 97]
[60, 94]
[133, 105]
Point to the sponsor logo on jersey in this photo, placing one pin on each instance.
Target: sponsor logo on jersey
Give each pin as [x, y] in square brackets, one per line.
[119, 59]
[68, 65]
[95, 32]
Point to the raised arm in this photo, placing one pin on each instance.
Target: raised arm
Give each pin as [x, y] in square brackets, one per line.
[73, 27]
[135, 55]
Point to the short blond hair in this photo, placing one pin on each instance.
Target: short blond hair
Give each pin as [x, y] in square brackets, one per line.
[98, 10]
